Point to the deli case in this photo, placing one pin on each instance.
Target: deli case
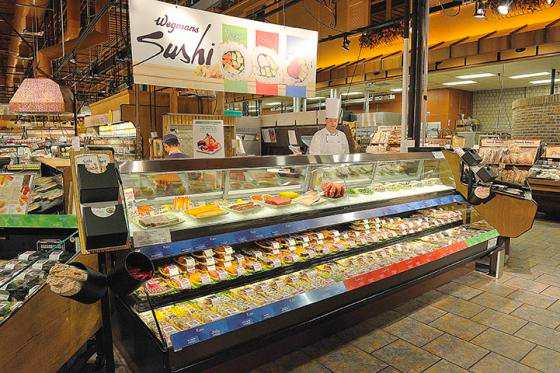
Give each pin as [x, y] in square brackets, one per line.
[246, 249]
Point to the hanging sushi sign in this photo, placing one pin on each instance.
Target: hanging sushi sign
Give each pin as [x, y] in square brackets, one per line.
[182, 47]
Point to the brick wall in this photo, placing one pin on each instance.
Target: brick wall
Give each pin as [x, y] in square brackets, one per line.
[494, 108]
[537, 117]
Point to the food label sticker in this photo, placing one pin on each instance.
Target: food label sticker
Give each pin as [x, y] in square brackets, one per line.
[275, 251]
[336, 239]
[222, 275]
[25, 256]
[257, 267]
[258, 254]
[208, 253]
[305, 244]
[305, 239]
[56, 255]
[275, 245]
[240, 271]
[205, 279]
[438, 155]
[346, 235]
[291, 242]
[151, 237]
[184, 283]
[335, 233]
[276, 262]
[320, 236]
[173, 270]
[492, 242]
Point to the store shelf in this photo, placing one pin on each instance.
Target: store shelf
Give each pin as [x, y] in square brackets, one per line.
[196, 239]
[38, 221]
[141, 304]
[484, 242]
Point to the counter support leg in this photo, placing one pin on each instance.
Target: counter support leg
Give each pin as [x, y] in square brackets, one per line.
[106, 331]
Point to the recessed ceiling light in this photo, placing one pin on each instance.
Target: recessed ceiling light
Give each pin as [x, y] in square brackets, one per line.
[461, 82]
[355, 93]
[396, 90]
[544, 81]
[530, 75]
[274, 103]
[503, 8]
[474, 76]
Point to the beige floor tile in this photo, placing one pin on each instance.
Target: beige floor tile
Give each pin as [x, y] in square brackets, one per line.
[323, 346]
[528, 297]
[430, 296]
[525, 284]
[496, 302]
[494, 363]
[420, 311]
[543, 359]
[458, 326]
[538, 315]
[459, 290]
[497, 288]
[297, 361]
[549, 279]
[504, 344]
[553, 291]
[473, 278]
[458, 306]
[555, 307]
[444, 366]
[413, 331]
[540, 335]
[405, 356]
[365, 340]
[500, 321]
[351, 359]
[456, 350]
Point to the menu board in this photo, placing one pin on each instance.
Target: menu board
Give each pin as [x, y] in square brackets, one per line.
[176, 46]
[14, 193]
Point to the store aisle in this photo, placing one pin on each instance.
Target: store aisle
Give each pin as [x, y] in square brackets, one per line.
[473, 323]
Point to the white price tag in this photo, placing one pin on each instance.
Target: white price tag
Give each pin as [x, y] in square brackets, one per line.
[492, 242]
[438, 155]
[151, 237]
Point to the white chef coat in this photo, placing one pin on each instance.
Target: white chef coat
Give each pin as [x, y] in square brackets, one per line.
[325, 143]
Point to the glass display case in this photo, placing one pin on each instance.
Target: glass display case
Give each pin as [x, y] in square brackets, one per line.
[184, 200]
[244, 248]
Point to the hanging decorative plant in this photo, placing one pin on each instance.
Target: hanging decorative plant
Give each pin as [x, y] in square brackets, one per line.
[384, 36]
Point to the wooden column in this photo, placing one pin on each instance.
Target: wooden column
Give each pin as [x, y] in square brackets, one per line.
[174, 101]
[220, 100]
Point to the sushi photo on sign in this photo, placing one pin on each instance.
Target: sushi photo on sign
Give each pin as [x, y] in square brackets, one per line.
[208, 139]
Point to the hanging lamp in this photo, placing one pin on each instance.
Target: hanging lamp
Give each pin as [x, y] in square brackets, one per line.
[38, 95]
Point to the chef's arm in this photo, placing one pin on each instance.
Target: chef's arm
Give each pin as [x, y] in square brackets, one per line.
[345, 145]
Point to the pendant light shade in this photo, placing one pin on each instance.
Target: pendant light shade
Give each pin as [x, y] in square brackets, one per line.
[38, 95]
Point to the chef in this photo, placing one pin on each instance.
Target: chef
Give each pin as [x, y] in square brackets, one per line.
[329, 140]
[172, 147]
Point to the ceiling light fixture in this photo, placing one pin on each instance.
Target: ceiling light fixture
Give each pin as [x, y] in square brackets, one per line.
[474, 76]
[275, 103]
[354, 93]
[461, 82]
[396, 90]
[346, 43]
[543, 81]
[530, 75]
[551, 2]
[503, 8]
[479, 10]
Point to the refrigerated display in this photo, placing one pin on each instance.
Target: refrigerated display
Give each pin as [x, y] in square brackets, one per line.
[244, 248]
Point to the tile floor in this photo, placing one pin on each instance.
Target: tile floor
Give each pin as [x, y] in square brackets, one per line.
[474, 323]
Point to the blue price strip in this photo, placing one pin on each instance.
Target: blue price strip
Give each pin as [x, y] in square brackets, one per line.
[254, 234]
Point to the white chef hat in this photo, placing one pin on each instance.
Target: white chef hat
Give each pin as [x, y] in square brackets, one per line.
[332, 108]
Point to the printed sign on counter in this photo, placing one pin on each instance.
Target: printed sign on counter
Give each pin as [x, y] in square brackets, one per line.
[208, 138]
[182, 47]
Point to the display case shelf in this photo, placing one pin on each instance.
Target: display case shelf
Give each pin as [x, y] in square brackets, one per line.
[252, 230]
[142, 304]
[484, 242]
